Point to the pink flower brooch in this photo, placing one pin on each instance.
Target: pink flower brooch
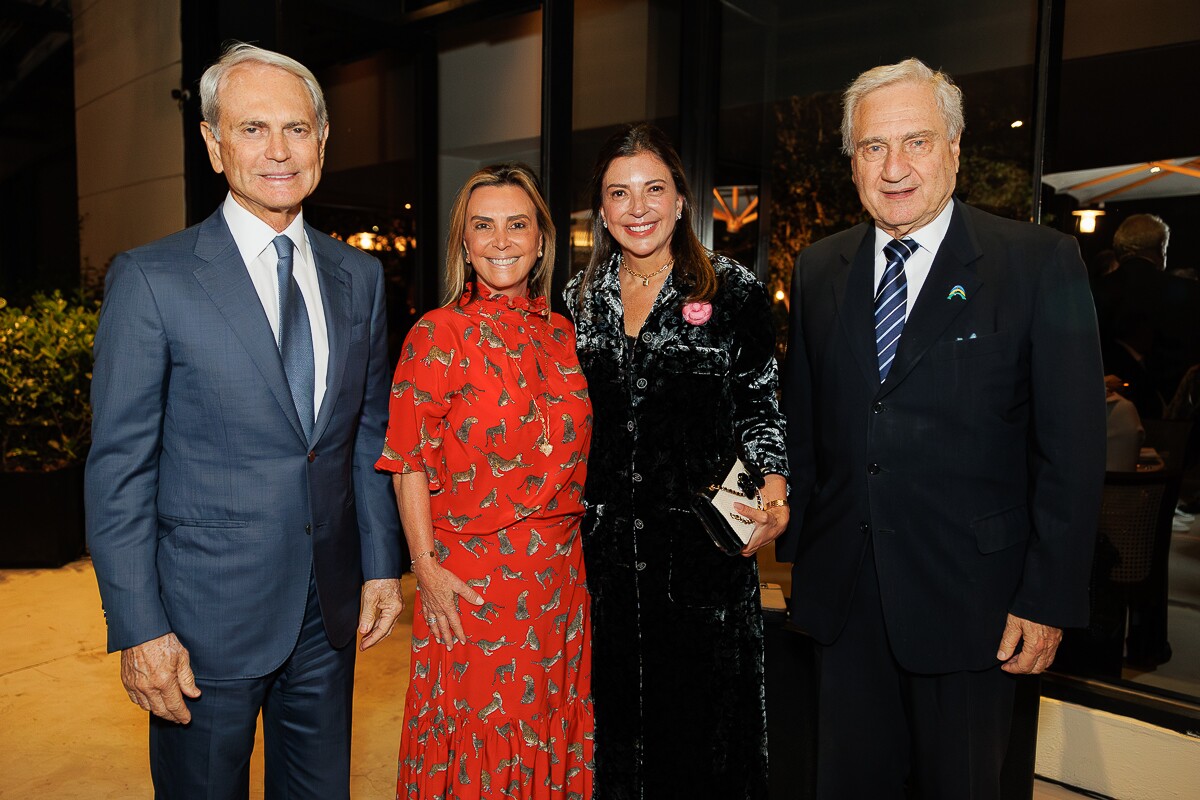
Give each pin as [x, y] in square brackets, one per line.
[697, 313]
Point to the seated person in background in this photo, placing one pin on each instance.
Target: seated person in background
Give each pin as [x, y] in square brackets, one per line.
[1125, 432]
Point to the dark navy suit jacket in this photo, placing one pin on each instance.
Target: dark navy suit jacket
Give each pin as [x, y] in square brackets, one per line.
[976, 467]
[207, 509]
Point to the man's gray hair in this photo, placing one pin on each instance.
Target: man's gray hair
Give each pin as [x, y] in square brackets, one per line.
[1141, 234]
[241, 53]
[948, 96]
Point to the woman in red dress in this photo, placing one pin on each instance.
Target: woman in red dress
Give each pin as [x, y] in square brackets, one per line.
[488, 436]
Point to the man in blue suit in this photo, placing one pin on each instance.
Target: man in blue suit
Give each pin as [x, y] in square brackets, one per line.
[946, 435]
[234, 515]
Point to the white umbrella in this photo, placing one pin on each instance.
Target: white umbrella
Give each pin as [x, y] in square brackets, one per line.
[1174, 177]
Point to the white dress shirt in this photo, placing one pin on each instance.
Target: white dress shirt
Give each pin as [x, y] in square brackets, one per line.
[255, 241]
[916, 269]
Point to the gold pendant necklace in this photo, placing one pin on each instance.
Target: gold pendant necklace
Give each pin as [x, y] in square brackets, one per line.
[645, 277]
[543, 440]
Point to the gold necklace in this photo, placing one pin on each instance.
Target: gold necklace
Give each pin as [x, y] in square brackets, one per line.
[543, 441]
[645, 277]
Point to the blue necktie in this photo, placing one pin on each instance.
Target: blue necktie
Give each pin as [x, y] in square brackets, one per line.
[295, 337]
[891, 301]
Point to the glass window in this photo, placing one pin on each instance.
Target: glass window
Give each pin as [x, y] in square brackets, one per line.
[367, 195]
[1122, 146]
[626, 70]
[489, 103]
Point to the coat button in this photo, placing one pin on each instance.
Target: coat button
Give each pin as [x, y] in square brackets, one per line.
[637, 478]
[312, 456]
[873, 469]
[641, 384]
[637, 523]
[639, 566]
[645, 337]
[864, 527]
[308, 528]
[877, 407]
[629, 426]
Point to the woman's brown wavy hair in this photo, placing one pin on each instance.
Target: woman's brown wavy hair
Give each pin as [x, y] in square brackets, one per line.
[693, 271]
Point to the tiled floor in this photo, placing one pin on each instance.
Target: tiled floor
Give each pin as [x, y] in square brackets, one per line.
[69, 732]
[68, 729]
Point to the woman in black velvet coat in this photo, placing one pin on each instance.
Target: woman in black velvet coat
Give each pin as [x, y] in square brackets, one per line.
[678, 348]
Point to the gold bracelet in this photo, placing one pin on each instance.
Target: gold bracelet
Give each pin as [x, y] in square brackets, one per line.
[775, 503]
[419, 556]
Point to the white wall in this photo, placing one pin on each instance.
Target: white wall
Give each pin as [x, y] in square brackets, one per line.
[1115, 756]
[129, 138]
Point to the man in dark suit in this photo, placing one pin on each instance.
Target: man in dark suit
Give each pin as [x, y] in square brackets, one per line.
[946, 423]
[240, 394]
[1147, 317]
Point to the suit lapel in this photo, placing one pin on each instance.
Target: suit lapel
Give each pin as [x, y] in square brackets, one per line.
[336, 296]
[854, 299]
[934, 310]
[224, 276]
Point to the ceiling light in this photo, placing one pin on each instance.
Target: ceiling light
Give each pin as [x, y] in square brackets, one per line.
[1087, 219]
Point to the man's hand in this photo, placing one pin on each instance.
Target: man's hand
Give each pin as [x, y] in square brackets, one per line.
[157, 674]
[381, 606]
[1039, 644]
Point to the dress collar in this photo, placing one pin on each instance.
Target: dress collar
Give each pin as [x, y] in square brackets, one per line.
[529, 305]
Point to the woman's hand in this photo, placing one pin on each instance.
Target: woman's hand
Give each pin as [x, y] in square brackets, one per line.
[769, 523]
[440, 589]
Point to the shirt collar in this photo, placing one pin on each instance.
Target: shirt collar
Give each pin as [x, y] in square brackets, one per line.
[252, 236]
[928, 238]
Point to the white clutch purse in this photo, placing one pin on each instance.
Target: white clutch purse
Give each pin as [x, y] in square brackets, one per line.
[729, 530]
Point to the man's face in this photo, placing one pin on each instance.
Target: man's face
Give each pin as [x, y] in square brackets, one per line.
[904, 165]
[270, 149]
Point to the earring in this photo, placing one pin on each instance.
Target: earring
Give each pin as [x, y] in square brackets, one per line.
[678, 215]
[604, 222]
[539, 253]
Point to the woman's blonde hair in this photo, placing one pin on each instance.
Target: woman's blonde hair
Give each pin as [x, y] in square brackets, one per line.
[458, 269]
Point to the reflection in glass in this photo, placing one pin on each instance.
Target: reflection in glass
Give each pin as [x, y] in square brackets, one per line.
[1121, 147]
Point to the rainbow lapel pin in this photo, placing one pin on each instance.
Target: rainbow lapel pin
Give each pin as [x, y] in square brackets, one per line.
[958, 291]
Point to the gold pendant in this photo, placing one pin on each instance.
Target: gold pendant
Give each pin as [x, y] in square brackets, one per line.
[645, 281]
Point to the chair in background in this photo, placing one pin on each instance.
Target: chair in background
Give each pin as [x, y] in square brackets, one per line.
[1128, 576]
[1146, 645]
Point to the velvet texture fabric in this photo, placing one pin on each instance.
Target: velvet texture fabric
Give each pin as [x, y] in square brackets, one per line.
[677, 626]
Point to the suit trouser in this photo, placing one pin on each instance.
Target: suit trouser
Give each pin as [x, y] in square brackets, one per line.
[883, 728]
[306, 708]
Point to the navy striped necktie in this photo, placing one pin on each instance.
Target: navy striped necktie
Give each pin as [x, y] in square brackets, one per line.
[891, 302]
[295, 337]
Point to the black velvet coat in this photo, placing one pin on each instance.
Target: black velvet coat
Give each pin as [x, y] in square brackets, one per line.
[677, 647]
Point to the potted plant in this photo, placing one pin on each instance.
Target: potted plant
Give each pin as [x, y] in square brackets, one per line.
[45, 380]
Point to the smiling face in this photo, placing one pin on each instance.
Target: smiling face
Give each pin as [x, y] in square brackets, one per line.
[502, 239]
[269, 148]
[904, 165]
[640, 205]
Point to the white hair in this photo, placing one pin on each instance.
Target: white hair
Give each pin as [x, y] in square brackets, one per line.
[946, 94]
[241, 53]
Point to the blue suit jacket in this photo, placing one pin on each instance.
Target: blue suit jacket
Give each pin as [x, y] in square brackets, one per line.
[976, 467]
[206, 508]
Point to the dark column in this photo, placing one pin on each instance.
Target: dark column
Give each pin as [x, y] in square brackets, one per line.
[699, 77]
[558, 70]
